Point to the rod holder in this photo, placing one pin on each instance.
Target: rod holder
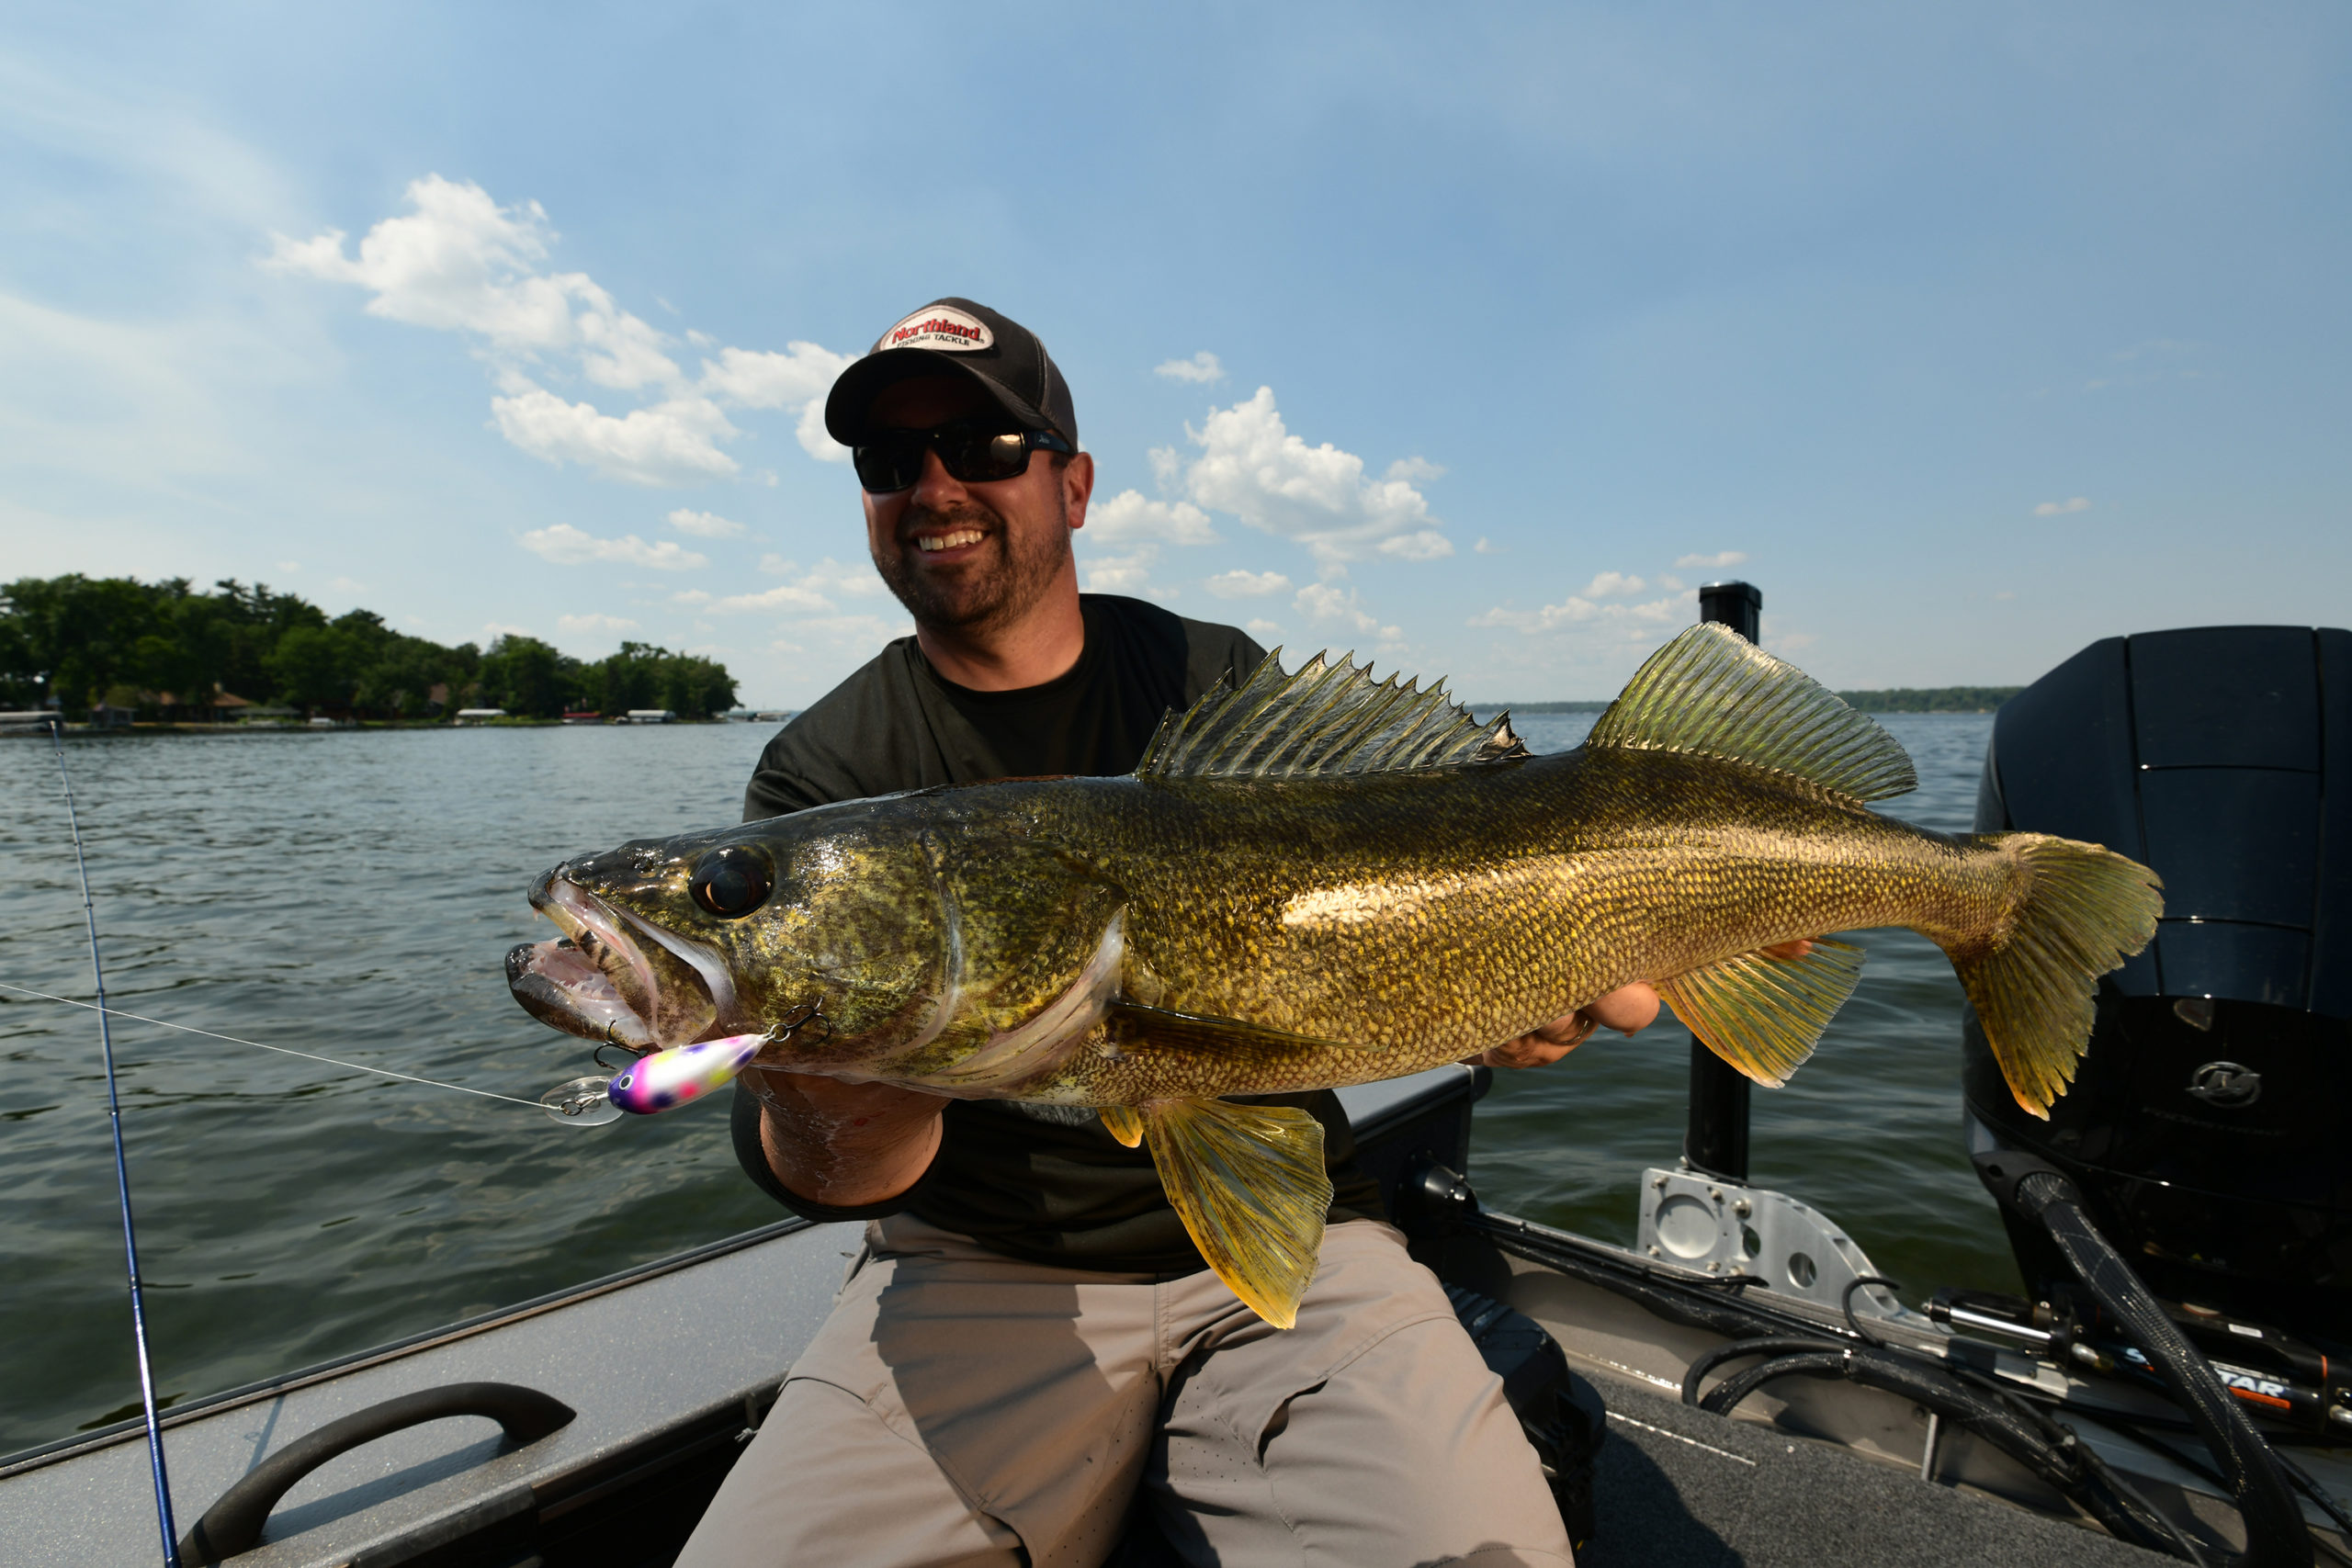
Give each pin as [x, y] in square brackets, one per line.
[1714, 1138]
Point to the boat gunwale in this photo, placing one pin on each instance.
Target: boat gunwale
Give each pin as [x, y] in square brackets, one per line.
[228, 1399]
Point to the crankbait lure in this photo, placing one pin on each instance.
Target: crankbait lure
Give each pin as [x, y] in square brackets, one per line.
[660, 1081]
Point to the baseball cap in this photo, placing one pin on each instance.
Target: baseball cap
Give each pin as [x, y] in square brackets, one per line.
[957, 337]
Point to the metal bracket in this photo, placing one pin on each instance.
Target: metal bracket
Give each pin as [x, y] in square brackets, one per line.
[1724, 1228]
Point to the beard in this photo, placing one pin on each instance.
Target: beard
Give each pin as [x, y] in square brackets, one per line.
[996, 587]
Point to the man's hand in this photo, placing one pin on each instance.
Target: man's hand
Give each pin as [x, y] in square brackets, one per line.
[845, 1144]
[1629, 1009]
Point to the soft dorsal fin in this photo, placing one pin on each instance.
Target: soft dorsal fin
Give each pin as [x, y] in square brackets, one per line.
[1327, 719]
[1713, 691]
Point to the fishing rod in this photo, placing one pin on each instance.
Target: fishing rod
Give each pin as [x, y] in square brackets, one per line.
[122, 1178]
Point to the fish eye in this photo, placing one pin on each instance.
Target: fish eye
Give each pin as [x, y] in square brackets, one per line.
[732, 882]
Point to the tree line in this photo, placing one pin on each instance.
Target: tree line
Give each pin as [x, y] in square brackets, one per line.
[168, 650]
[1931, 699]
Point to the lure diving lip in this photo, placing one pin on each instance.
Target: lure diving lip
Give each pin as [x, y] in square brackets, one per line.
[661, 1080]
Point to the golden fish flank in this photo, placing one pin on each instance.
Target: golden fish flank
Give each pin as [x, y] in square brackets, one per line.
[1319, 880]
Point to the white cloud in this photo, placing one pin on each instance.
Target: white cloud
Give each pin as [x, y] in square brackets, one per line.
[1414, 468]
[1127, 518]
[1672, 584]
[493, 631]
[1576, 610]
[672, 442]
[690, 596]
[775, 565]
[851, 580]
[347, 585]
[783, 596]
[1202, 368]
[461, 263]
[1484, 548]
[1324, 603]
[567, 546]
[585, 626]
[1611, 583]
[813, 591]
[289, 566]
[1239, 584]
[2059, 508]
[1721, 557]
[458, 262]
[796, 378]
[1251, 466]
[1119, 574]
[706, 525]
[1263, 628]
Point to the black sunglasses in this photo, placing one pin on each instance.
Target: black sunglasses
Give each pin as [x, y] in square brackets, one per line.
[972, 451]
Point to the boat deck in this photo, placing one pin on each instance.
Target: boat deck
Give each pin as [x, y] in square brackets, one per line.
[1681, 1488]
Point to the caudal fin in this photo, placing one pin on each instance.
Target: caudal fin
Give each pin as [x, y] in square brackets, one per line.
[2082, 911]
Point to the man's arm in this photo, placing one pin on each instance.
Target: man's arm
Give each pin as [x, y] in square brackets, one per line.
[844, 1146]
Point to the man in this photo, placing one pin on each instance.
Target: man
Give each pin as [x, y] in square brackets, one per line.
[1029, 1334]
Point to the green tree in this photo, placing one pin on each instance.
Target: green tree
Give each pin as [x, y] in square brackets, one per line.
[527, 677]
[312, 667]
[85, 639]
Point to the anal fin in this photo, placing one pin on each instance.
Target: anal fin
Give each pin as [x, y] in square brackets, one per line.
[1126, 1123]
[1250, 1183]
[1765, 1015]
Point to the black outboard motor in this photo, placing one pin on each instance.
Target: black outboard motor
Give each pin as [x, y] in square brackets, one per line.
[2209, 1130]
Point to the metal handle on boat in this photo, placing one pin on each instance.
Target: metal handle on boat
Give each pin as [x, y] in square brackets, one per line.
[233, 1524]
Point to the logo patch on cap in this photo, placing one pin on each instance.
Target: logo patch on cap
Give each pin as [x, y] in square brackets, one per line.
[940, 327]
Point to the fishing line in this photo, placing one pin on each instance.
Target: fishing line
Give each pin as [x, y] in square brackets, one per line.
[121, 1178]
[258, 1046]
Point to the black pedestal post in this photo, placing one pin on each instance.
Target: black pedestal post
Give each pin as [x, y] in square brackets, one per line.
[1716, 1139]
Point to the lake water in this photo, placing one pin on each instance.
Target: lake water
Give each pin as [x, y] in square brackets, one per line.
[353, 893]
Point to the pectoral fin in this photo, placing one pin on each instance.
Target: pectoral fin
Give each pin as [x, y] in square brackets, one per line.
[1250, 1183]
[1126, 1123]
[1765, 1015]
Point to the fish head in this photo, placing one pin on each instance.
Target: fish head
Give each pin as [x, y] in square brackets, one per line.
[833, 914]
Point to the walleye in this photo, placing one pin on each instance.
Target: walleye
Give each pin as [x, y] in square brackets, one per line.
[1317, 880]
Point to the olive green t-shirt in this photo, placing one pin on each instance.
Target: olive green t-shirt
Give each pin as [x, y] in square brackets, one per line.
[1047, 1184]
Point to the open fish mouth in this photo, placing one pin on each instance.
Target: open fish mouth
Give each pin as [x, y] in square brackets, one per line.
[615, 976]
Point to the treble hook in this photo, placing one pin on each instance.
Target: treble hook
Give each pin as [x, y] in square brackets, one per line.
[808, 1015]
[611, 1039]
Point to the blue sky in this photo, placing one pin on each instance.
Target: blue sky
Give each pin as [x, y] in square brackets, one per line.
[1970, 334]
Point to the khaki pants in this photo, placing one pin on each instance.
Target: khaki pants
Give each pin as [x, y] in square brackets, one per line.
[960, 1408]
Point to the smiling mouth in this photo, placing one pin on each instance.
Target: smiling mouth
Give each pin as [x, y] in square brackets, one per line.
[612, 976]
[932, 544]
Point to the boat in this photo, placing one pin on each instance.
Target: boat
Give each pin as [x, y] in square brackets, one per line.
[1737, 1385]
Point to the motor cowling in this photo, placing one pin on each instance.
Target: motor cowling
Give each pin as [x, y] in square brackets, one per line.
[2206, 1129]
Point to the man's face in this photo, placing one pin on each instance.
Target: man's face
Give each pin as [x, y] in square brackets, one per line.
[969, 556]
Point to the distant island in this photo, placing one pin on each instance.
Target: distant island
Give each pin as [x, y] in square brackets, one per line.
[1893, 699]
[114, 648]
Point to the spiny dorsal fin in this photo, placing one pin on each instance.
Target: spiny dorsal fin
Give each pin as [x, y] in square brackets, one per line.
[1713, 691]
[1765, 1015]
[1325, 720]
